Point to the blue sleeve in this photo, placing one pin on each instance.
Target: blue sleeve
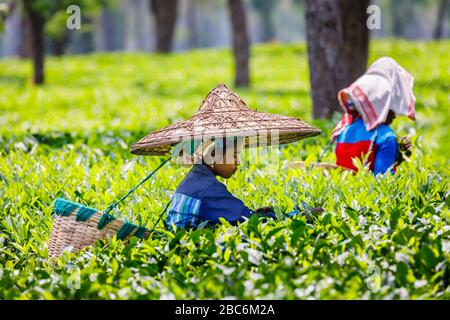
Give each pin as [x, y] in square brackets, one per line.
[386, 154]
[218, 202]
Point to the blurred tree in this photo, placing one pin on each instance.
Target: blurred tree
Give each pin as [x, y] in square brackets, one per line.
[138, 23]
[37, 12]
[57, 32]
[107, 29]
[338, 41]
[83, 39]
[240, 42]
[265, 9]
[40, 12]
[110, 26]
[439, 27]
[399, 11]
[404, 16]
[59, 36]
[212, 23]
[165, 12]
[191, 18]
[25, 47]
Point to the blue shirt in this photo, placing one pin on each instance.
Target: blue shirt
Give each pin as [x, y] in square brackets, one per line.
[354, 141]
[201, 197]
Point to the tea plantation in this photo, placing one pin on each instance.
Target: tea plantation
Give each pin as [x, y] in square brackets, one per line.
[383, 237]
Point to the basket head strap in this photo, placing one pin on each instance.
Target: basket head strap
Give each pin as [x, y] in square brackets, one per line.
[115, 204]
[325, 149]
[161, 215]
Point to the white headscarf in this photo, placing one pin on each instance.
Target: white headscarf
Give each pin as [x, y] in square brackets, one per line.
[385, 86]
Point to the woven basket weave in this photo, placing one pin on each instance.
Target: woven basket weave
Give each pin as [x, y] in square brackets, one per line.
[223, 113]
[71, 233]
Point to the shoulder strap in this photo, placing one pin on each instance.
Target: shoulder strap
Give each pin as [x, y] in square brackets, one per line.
[325, 149]
[115, 204]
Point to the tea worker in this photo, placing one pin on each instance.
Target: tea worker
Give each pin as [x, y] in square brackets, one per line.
[210, 141]
[371, 104]
[201, 197]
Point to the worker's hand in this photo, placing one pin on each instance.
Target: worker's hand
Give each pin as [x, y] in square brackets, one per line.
[264, 210]
[405, 144]
[309, 212]
[405, 148]
[317, 210]
[265, 213]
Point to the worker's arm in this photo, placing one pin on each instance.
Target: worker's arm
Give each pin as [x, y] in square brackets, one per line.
[386, 155]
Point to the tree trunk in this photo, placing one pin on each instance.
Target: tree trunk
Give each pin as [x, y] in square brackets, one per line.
[58, 46]
[240, 42]
[37, 24]
[37, 36]
[439, 28]
[337, 49]
[26, 43]
[165, 12]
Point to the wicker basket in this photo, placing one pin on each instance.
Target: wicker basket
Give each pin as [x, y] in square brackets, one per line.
[76, 226]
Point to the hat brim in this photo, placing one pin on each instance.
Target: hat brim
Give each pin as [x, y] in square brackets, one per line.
[224, 114]
[153, 146]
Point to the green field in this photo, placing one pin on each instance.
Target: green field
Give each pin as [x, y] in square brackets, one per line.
[379, 237]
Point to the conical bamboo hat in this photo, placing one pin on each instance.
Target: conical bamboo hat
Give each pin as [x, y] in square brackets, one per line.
[224, 114]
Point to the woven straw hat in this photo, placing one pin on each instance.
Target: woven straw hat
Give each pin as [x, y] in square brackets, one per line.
[224, 114]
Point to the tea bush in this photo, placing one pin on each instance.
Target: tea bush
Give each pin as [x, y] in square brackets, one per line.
[383, 237]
